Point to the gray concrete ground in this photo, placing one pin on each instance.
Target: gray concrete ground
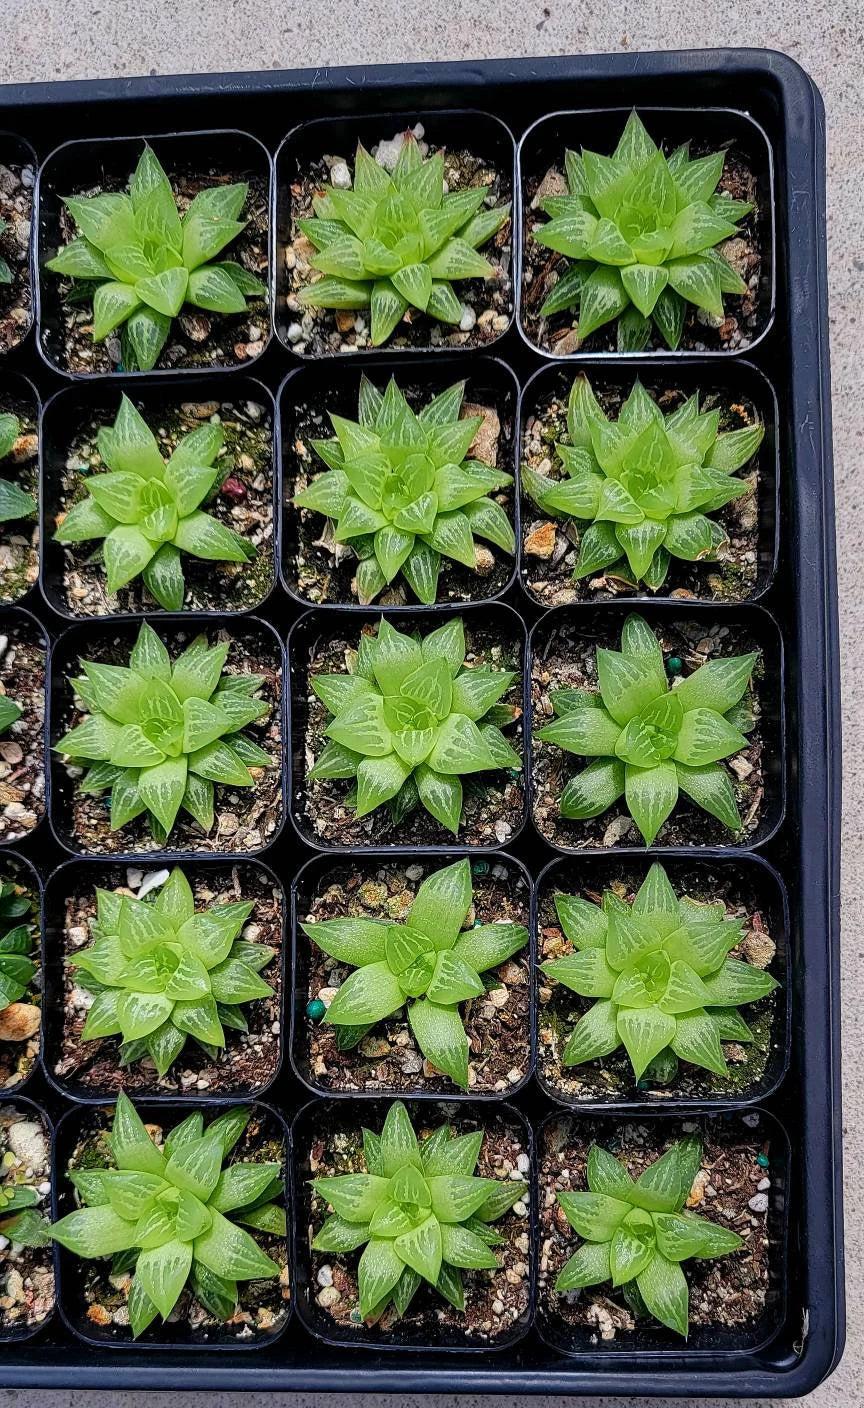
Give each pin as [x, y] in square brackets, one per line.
[122, 38]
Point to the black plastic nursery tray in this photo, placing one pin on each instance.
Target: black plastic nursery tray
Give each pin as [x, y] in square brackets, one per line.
[768, 106]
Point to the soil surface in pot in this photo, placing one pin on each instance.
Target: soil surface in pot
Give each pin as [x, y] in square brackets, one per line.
[494, 1299]
[488, 304]
[242, 500]
[26, 1273]
[16, 212]
[567, 659]
[22, 746]
[388, 1059]
[322, 570]
[245, 818]
[19, 538]
[198, 339]
[21, 1021]
[97, 1300]
[703, 332]
[612, 1078]
[248, 1061]
[492, 802]
[731, 1188]
[550, 547]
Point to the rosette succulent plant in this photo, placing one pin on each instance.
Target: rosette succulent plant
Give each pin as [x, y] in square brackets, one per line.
[20, 1219]
[161, 973]
[395, 242]
[660, 973]
[418, 1212]
[159, 735]
[637, 1232]
[400, 490]
[9, 712]
[642, 229]
[650, 740]
[14, 503]
[412, 720]
[16, 943]
[144, 260]
[428, 964]
[644, 482]
[147, 510]
[169, 1212]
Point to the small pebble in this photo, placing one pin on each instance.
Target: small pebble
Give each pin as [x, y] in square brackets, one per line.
[329, 1296]
[325, 1276]
[763, 1185]
[523, 1163]
[315, 1009]
[759, 1202]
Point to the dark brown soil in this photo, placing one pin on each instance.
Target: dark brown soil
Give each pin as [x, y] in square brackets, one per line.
[493, 802]
[26, 1273]
[612, 1077]
[263, 1305]
[20, 1023]
[16, 211]
[19, 539]
[246, 819]
[247, 1063]
[388, 1061]
[242, 500]
[321, 332]
[495, 1301]
[197, 339]
[541, 269]
[731, 1291]
[321, 570]
[568, 660]
[549, 578]
[22, 746]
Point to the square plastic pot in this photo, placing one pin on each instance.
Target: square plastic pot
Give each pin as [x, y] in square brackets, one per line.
[422, 1327]
[11, 1333]
[312, 881]
[753, 627]
[111, 642]
[73, 882]
[74, 414]
[105, 163]
[76, 1272]
[598, 129]
[649, 1341]
[16, 247]
[20, 537]
[719, 385]
[316, 632]
[609, 1084]
[302, 155]
[309, 395]
[23, 815]
[19, 871]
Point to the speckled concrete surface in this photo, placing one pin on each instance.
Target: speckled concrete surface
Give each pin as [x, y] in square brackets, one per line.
[106, 38]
